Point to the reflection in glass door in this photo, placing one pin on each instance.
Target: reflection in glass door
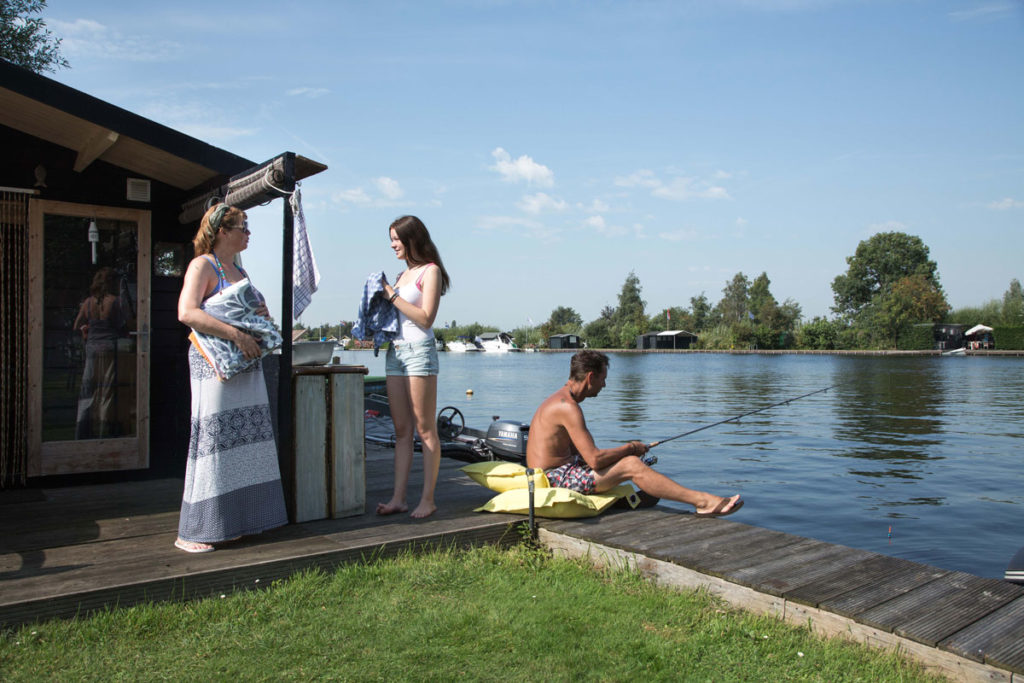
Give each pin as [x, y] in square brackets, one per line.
[91, 319]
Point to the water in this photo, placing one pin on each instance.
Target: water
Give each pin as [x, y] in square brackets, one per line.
[913, 457]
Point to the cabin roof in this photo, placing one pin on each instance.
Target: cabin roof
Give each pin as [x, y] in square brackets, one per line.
[94, 129]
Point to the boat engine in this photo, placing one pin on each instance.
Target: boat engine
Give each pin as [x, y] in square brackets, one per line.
[507, 440]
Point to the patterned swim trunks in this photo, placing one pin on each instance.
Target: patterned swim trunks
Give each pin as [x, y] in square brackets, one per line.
[575, 474]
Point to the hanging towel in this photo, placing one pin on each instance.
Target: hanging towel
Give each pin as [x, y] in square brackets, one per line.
[305, 275]
[377, 317]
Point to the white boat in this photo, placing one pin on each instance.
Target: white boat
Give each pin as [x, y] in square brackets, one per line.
[497, 342]
[463, 345]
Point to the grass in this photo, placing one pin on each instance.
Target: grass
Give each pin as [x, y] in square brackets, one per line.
[480, 614]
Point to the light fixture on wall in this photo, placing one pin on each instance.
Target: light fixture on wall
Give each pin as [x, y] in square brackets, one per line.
[94, 238]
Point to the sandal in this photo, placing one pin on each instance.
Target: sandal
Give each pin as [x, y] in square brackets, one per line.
[193, 546]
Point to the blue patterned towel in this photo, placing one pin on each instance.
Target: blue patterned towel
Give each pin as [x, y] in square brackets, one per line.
[235, 305]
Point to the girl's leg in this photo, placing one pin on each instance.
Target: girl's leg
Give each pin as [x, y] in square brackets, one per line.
[423, 393]
[400, 404]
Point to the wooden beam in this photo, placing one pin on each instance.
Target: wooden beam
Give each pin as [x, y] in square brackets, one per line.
[96, 145]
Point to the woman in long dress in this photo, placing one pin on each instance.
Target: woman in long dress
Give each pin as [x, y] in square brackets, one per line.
[232, 480]
[411, 364]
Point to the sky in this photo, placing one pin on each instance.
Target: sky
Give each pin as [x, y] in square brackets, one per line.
[552, 148]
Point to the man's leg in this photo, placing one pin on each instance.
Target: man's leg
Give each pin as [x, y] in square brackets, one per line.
[657, 484]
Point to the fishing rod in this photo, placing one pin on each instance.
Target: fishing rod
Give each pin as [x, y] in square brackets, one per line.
[737, 417]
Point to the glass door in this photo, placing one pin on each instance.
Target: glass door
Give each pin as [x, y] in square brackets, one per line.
[88, 338]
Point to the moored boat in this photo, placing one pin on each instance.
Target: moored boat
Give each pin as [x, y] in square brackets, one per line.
[497, 342]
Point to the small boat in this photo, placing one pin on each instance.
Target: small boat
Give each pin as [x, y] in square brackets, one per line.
[955, 352]
[497, 342]
[463, 345]
[1015, 571]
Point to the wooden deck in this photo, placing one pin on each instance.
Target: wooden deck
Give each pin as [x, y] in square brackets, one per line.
[73, 550]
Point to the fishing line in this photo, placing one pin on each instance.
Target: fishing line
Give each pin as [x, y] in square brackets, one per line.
[737, 417]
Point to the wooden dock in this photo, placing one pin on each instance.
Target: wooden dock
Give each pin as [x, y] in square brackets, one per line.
[73, 550]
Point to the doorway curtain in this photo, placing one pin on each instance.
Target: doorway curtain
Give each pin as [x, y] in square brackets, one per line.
[13, 337]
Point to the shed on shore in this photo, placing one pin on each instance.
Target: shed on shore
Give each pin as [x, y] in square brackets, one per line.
[667, 340]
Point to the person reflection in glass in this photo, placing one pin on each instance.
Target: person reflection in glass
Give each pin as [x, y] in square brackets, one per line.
[101, 319]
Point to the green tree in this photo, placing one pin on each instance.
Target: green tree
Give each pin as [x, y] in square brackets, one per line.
[701, 312]
[1013, 305]
[24, 38]
[735, 301]
[563, 320]
[598, 333]
[820, 334]
[760, 299]
[878, 264]
[912, 299]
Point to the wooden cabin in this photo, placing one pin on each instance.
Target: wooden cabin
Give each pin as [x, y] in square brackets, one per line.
[89, 193]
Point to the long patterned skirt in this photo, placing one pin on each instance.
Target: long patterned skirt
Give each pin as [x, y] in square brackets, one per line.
[232, 480]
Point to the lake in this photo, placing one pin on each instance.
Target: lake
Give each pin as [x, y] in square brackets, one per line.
[913, 457]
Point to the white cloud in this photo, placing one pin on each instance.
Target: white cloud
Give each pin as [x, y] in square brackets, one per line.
[88, 38]
[356, 195]
[990, 10]
[599, 224]
[679, 188]
[597, 206]
[741, 222]
[389, 187]
[641, 178]
[523, 168]
[536, 203]
[1007, 203]
[311, 93]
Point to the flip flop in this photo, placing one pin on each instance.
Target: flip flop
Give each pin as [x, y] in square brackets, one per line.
[193, 546]
[734, 508]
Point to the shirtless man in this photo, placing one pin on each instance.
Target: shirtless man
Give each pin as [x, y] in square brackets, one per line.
[563, 447]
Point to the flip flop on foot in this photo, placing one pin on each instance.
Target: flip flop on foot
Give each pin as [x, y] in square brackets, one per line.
[726, 507]
[391, 508]
[193, 546]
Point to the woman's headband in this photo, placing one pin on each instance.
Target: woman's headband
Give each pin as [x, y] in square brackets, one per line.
[218, 215]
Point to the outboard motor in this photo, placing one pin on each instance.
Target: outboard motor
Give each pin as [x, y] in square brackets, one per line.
[507, 440]
[1015, 572]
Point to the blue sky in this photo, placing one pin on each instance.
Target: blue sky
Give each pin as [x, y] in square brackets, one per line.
[554, 147]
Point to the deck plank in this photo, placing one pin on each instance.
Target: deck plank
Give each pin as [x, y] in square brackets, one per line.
[997, 639]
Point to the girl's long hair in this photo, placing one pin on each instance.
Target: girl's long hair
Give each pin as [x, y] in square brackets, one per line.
[419, 248]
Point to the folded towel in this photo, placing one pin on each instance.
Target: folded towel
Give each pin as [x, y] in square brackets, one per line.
[235, 305]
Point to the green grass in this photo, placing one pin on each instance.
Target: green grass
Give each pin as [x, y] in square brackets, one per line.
[481, 614]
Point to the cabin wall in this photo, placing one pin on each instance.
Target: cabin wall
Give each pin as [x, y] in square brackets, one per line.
[104, 184]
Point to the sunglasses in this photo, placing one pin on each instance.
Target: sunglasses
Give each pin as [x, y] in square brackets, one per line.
[244, 228]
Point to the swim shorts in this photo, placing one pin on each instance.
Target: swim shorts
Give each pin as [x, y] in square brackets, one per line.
[575, 474]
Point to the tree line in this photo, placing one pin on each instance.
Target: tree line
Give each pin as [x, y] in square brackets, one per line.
[889, 286]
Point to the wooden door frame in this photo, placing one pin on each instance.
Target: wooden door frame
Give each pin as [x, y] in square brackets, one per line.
[93, 455]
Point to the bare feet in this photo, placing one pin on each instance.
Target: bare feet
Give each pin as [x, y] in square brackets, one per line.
[391, 507]
[720, 507]
[423, 510]
[193, 546]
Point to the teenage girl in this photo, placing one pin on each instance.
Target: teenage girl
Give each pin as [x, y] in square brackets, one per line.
[411, 364]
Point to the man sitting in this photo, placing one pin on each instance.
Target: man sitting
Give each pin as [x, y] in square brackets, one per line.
[563, 447]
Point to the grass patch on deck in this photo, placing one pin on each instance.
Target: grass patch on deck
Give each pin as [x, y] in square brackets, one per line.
[481, 614]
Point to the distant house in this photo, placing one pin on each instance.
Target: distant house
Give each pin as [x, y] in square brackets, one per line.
[948, 336]
[564, 341]
[668, 340]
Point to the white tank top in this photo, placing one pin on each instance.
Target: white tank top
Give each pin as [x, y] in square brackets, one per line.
[413, 293]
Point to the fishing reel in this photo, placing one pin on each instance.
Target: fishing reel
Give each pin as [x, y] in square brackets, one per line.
[450, 422]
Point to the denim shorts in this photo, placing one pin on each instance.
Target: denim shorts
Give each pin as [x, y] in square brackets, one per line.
[411, 359]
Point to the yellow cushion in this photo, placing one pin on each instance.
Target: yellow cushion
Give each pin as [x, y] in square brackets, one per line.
[558, 502]
[503, 476]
